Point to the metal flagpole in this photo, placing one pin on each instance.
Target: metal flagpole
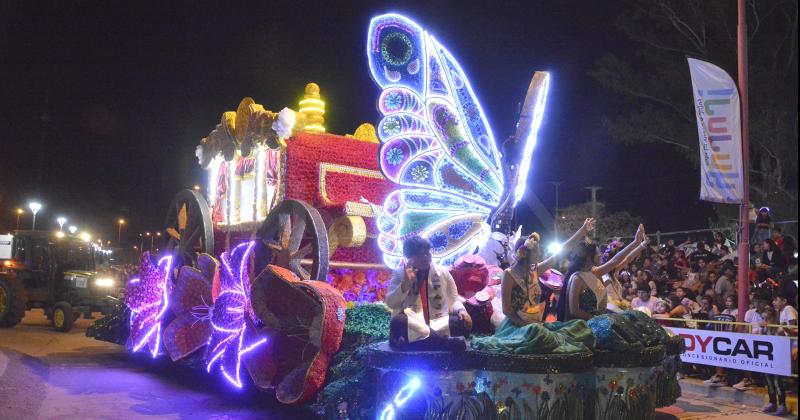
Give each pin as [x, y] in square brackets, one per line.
[744, 221]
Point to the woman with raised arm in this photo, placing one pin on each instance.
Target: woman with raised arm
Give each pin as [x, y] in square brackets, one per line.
[522, 331]
[520, 290]
[583, 295]
[611, 281]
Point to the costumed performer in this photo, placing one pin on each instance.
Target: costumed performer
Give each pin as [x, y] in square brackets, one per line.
[520, 289]
[614, 288]
[522, 331]
[426, 312]
[584, 295]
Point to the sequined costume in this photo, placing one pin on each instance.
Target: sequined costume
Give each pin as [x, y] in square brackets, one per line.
[628, 331]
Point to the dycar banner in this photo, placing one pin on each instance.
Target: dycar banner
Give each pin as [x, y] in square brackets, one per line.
[759, 353]
[719, 126]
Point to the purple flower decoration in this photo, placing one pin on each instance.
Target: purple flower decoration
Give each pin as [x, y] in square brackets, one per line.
[192, 304]
[148, 298]
[229, 316]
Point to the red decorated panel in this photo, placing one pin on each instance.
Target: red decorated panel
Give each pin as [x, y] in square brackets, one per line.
[307, 153]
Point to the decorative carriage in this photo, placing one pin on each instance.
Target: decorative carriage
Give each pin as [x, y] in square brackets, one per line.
[287, 204]
[310, 198]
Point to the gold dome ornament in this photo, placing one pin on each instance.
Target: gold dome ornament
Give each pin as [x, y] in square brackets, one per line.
[313, 109]
[365, 132]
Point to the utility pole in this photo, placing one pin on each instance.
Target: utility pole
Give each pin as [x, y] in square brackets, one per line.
[744, 220]
[556, 184]
[594, 189]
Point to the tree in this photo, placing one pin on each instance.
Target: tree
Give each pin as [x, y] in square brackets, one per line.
[654, 87]
[610, 225]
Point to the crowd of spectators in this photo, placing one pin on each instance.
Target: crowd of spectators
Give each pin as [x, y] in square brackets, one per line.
[697, 280]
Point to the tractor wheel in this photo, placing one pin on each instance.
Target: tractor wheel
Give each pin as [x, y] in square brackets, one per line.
[63, 317]
[12, 301]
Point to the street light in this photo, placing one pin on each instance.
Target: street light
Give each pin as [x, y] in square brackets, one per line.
[61, 220]
[35, 207]
[19, 213]
[72, 229]
[119, 232]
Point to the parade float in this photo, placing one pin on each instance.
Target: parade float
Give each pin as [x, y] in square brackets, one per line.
[274, 278]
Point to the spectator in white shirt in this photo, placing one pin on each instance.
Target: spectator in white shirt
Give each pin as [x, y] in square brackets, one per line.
[788, 314]
[644, 299]
[730, 306]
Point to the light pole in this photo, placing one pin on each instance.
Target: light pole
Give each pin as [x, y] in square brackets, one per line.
[120, 222]
[151, 241]
[35, 207]
[19, 213]
[159, 238]
[61, 221]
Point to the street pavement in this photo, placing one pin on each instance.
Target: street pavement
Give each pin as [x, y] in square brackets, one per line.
[45, 374]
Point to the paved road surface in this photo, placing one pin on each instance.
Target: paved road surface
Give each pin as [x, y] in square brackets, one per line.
[45, 374]
[50, 375]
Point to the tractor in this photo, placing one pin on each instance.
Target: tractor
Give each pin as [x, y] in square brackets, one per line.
[54, 272]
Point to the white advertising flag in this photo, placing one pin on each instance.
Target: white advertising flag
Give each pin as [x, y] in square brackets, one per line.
[758, 353]
[719, 127]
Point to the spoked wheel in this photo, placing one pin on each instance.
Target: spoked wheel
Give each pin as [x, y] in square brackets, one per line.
[189, 229]
[294, 237]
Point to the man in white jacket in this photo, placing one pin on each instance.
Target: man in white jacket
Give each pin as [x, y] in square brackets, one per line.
[426, 311]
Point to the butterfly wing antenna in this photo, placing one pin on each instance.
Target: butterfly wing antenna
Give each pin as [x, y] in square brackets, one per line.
[527, 130]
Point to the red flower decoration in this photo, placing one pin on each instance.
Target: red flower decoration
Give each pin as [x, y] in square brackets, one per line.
[305, 321]
[612, 384]
[537, 390]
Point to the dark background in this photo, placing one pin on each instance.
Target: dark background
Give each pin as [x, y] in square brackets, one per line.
[130, 89]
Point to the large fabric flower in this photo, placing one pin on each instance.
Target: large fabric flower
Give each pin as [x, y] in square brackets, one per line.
[193, 306]
[230, 316]
[305, 320]
[148, 298]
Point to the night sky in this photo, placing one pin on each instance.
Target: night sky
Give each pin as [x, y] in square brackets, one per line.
[130, 91]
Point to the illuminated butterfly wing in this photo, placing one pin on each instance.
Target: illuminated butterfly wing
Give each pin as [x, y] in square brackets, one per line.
[436, 144]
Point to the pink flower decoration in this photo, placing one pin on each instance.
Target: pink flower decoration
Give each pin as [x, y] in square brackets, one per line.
[229, 317]
[148, 298]
[192, 305]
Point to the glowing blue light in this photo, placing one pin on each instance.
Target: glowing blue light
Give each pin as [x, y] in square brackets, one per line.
[400, 399]
[407, 391]
[530, 142]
